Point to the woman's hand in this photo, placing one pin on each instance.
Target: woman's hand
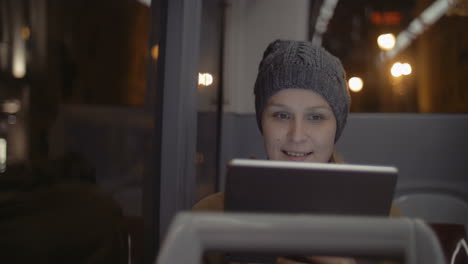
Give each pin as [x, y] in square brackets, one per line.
[319, 260]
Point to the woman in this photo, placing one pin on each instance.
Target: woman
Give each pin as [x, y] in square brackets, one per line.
[301, 101]
[302, 104]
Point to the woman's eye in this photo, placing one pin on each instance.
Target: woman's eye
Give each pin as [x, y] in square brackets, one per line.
[282, 116]
[315, 117]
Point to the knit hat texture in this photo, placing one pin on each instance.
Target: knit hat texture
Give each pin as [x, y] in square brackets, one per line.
[299, 64]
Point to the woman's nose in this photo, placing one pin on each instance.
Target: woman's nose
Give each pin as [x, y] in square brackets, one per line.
[297, 131]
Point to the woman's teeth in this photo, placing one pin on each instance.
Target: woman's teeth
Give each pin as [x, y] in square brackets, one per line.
[296, 154]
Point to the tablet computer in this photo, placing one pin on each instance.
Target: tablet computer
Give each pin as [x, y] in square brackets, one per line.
[266, 186]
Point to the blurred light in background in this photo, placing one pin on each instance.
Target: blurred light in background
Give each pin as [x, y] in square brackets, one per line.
[386, 41]
[406, 69]
[3, 154]
[11, 106]
[25, 33]
[205, 79]
[145, 2]
[355, 84]
[19, 62]
[155, 52]
[398, 69]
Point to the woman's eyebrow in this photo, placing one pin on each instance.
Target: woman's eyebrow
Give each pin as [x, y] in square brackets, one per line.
[308, 109]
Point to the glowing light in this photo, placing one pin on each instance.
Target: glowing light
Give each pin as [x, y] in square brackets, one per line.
[19, 70]
[3, 154]
[25, 33]
[11, 106]
[205, 79]
[155, 52]
[355, 84]
[19, 62]
[396, 69]
[386, 41]
[406, 69]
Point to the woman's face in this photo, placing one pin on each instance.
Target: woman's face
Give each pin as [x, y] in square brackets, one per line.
[298, 125]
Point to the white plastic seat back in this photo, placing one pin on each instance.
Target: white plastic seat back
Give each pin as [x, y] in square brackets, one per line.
[434, 208]
[191, 234]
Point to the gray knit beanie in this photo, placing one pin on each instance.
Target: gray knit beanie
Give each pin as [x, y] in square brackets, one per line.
[299, 64]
